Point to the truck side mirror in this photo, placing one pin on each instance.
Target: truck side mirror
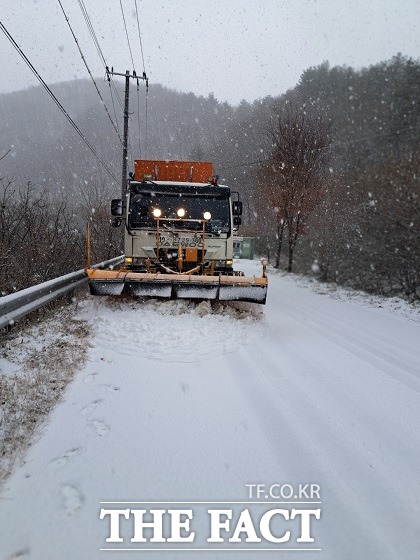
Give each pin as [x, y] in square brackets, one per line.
[116, 222]
[116, 207]
[237, 221]
[237, 208]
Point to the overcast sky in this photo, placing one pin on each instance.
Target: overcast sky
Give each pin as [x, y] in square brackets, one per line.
[236, 49]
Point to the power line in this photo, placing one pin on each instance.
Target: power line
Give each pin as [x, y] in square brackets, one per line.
[91, 30]
[138, 117]
[145, 138]
[126, 143]
[126, 32]
[102, 58]
[90, 73]
[332, 145]
[112, 86]
[117, 95]
[147, 83]
[112, 99]
[141, 44]
[375, 136]
[132, 62]
[56, 101]
[4, 155]
[145, 78]
[245, 164]
[99, 50]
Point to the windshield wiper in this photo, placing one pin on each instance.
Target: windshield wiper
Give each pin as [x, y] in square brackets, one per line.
[212, 232]
[169, 229]
[149, 181]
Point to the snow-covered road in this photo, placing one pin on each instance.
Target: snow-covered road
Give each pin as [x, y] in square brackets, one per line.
[179, 404]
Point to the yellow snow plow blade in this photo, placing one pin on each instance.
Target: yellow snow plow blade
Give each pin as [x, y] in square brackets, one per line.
[175, 286]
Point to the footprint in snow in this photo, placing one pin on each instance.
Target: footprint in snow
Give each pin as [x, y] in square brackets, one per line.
[90, 378]
[91, 407]
[20, 555]
[61, 461]
[185, 387]
[100, 427]
[72, 498]
[110, 388]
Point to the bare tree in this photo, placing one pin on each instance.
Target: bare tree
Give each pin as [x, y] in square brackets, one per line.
[294, 176]
[38, 237]
[94, 210]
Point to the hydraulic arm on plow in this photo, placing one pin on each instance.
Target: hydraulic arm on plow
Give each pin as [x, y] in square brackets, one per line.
[178, 237]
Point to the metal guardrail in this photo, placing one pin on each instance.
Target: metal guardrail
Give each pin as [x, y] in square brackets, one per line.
[17, 305]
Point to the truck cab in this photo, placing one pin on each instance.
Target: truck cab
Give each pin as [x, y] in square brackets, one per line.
[178, 226]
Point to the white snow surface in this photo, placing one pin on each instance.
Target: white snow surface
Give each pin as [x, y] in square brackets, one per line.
[182, 402]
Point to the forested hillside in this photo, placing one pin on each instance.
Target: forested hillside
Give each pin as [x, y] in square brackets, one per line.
[328, 172]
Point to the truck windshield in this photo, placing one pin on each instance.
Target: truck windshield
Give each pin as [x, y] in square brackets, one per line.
[142, 206]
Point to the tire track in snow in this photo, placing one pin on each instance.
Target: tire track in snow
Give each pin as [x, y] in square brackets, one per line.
[380, 405]
[359, 413]
[298, 455]
[373, 422]
[306, 441]
[361, 344]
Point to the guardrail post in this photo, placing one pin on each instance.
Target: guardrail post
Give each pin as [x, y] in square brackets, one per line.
[69, 297]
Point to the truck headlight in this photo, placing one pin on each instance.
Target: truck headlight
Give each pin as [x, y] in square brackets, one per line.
[157, 212]
[207, 215]
[180, 212]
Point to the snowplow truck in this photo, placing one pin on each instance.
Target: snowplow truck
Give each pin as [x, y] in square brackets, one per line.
[178, 225]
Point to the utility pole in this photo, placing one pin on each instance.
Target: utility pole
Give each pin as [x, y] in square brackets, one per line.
[127, 76]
